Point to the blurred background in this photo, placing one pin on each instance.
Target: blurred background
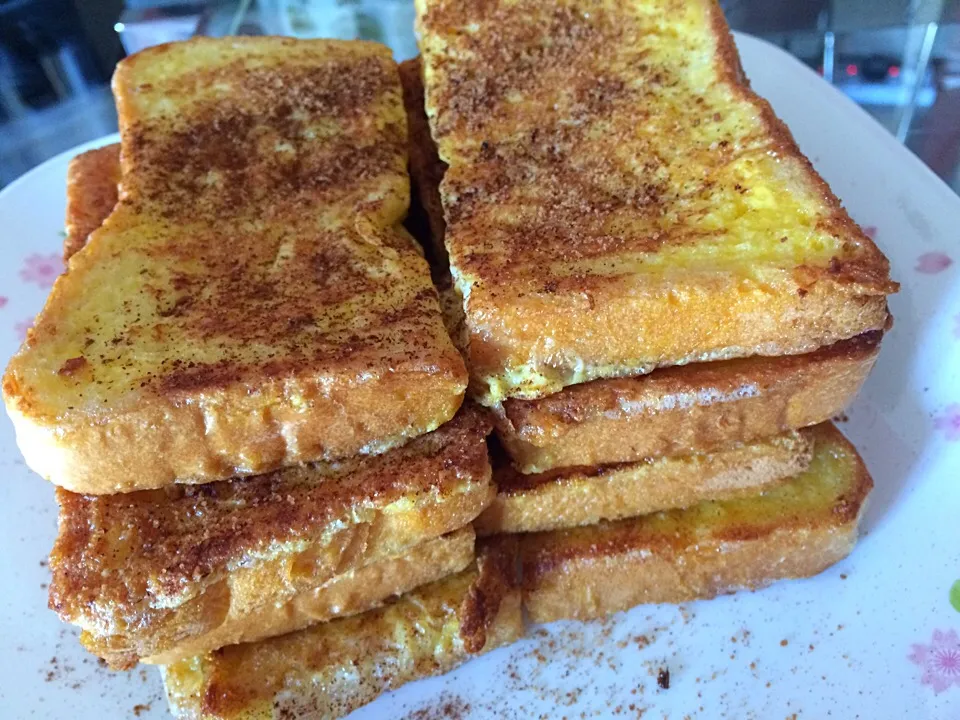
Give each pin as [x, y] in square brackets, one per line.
[899, 59]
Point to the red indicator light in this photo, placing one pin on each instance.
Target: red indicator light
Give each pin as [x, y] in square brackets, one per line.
[851, 69]
[894, 71]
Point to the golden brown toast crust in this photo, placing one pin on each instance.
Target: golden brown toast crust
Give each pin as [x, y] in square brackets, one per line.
[618, 199]
[93, 178]
[252, 301]
[794, 529]
[146, 572]
[348, 593]
[331, 669]
[497, 578]
[586, 495]
[691, 409]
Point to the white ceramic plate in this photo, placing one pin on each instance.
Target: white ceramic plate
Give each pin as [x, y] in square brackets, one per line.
[875, 637]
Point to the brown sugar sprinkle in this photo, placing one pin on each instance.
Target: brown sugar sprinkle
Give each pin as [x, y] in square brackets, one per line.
[663, 678]
[555, 667]
[783, 643]
[447, 707]
[548, 77]
[141, 708]
[251, 210]
[72, 365]
[172, 163]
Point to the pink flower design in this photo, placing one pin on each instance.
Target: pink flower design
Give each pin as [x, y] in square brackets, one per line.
[940, 660]
[933, 262]
[870, 231]
[41, 269]
[949, 422]
[21, 328]
[3, 301]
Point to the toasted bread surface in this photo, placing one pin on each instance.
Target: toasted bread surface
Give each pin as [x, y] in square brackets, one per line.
[696, 408]
[794, 529]
[348, 593]
[329, 670]
[144, 573]
[586, 495]
[618, 199]
[93, 180]
[252, 301]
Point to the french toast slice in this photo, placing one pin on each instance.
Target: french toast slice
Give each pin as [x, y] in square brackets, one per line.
[698, 408]
[617, 199]
[146, 573]
[329, 670]
[253, 300]
[576, 496]
[354, 591]
[793, 529]
[93, 180]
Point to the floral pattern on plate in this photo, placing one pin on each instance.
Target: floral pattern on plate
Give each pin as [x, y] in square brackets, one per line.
[932, 263]
[940, 660]
[949, 421]
[41, 270]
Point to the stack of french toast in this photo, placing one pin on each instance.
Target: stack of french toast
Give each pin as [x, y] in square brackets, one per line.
[244, 389]
[658, 298]
[267, 414]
